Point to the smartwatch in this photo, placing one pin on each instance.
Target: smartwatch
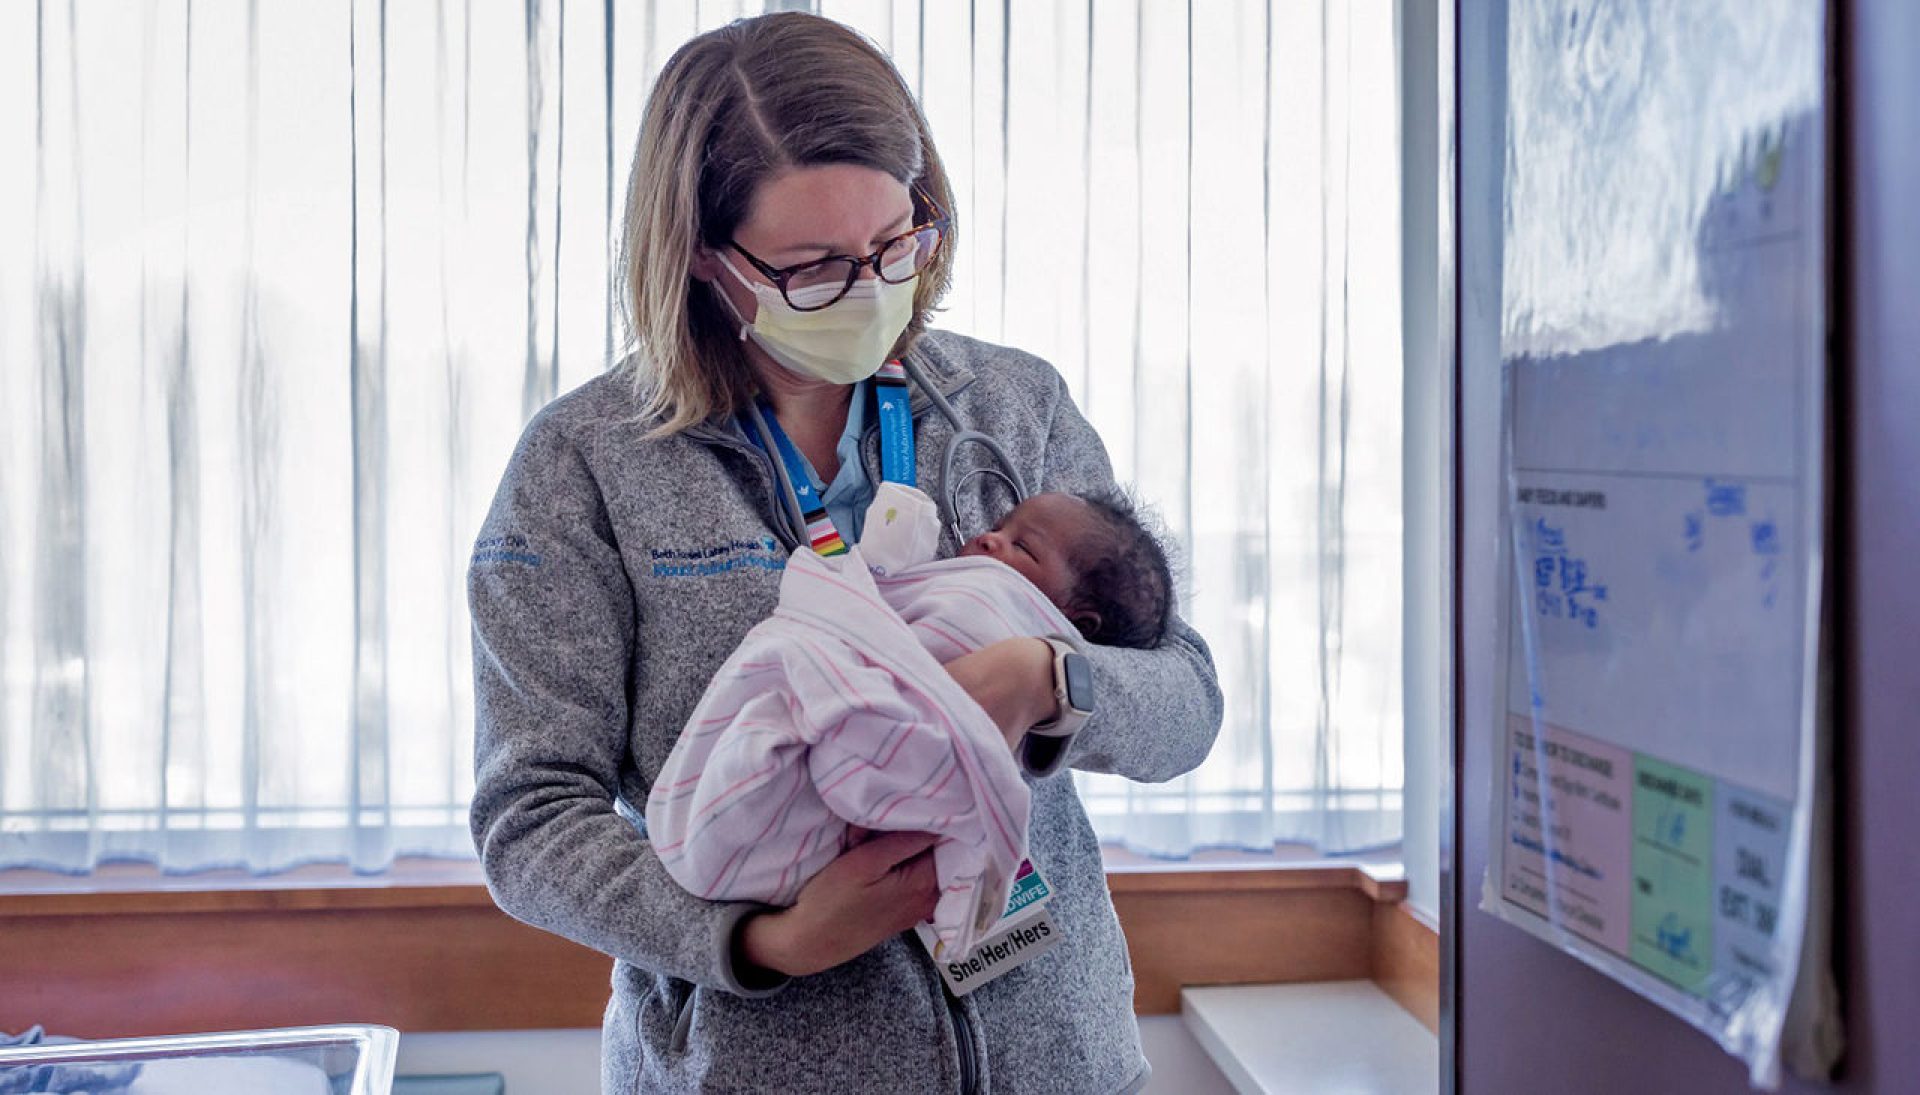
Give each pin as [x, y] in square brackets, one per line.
[1045, 746]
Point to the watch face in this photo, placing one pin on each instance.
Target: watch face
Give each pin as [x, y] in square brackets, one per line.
[1079, 682]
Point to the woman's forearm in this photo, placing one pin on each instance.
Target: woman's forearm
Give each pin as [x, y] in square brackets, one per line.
[1012, 680]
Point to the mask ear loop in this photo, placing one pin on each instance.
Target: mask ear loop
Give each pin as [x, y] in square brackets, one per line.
[1006, 473]
[727, 301]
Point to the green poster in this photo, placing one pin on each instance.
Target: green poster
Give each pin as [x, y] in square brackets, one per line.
[1672, 872]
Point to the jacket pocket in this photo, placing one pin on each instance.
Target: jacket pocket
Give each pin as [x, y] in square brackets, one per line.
[681, 998]
[623, 1031]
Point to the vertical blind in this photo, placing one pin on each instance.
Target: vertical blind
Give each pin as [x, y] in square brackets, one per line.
[282, 282]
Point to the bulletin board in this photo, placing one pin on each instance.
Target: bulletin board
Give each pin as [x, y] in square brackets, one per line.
[1659, 802]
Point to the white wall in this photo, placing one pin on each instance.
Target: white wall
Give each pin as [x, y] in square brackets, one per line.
[1180, 1066]
[567, 1062]
[534, 1062]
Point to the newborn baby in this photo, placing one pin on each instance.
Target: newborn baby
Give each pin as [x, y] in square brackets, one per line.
[835, 711]
[1090, 556]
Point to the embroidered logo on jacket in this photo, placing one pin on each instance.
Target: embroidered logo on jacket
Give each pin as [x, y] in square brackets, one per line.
[702, 561]
[504, 549]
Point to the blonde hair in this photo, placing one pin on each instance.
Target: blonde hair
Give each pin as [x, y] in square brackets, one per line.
[731, 109]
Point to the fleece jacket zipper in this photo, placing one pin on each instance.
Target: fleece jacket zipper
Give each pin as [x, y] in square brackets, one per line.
[963, 1040]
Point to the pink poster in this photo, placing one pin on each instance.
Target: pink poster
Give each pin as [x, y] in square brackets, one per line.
[1569, 831]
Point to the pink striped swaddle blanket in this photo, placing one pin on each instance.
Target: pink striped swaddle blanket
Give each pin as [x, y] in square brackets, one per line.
[835, 711]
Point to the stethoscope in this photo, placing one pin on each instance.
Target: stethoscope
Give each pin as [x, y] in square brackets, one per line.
[948, 502]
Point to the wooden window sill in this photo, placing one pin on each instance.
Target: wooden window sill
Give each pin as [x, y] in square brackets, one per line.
[424, 948]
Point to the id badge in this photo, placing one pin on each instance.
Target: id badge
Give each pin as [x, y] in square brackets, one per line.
[1024, 932]
[1029, 890]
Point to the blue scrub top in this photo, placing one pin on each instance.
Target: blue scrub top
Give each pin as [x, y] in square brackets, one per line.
[851, 491]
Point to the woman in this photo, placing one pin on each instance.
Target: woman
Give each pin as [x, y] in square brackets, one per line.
[639, 532]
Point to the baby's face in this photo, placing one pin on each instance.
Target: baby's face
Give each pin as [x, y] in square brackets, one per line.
[1041, 539]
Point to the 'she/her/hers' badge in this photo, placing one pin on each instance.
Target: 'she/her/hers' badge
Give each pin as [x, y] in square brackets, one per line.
[1025, 931]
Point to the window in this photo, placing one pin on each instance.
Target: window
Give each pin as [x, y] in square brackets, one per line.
[286, 289]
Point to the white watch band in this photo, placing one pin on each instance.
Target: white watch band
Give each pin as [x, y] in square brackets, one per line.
[1043, 750]
[1069, 717]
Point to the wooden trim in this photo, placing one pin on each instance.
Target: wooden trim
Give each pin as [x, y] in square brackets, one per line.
[1406, 962]
[1255, 878]
[429, 968]
[441, 957]
[1252, 931]
[299, 899]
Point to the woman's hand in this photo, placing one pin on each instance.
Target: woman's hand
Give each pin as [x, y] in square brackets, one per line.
[1013, 680]
[875, 891]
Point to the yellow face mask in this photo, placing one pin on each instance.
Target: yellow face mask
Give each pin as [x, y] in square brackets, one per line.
[843, 343]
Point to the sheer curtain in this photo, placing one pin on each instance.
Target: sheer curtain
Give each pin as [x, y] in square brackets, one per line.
[283, 282]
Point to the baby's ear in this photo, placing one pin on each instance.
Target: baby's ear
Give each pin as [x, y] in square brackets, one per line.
[1088, 621]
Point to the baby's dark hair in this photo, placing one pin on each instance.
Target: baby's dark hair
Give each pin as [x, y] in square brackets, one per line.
[1125, 578]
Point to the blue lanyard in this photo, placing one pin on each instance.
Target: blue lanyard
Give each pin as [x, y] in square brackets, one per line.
[896, 425]
[896, 456]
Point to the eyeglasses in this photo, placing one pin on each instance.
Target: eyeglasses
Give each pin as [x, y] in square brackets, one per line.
[811, 286]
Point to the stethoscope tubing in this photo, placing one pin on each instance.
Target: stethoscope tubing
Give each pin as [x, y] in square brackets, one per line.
[783, 483]
[949, 482]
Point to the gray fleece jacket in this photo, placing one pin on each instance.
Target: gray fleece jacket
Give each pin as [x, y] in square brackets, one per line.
[613, 576]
